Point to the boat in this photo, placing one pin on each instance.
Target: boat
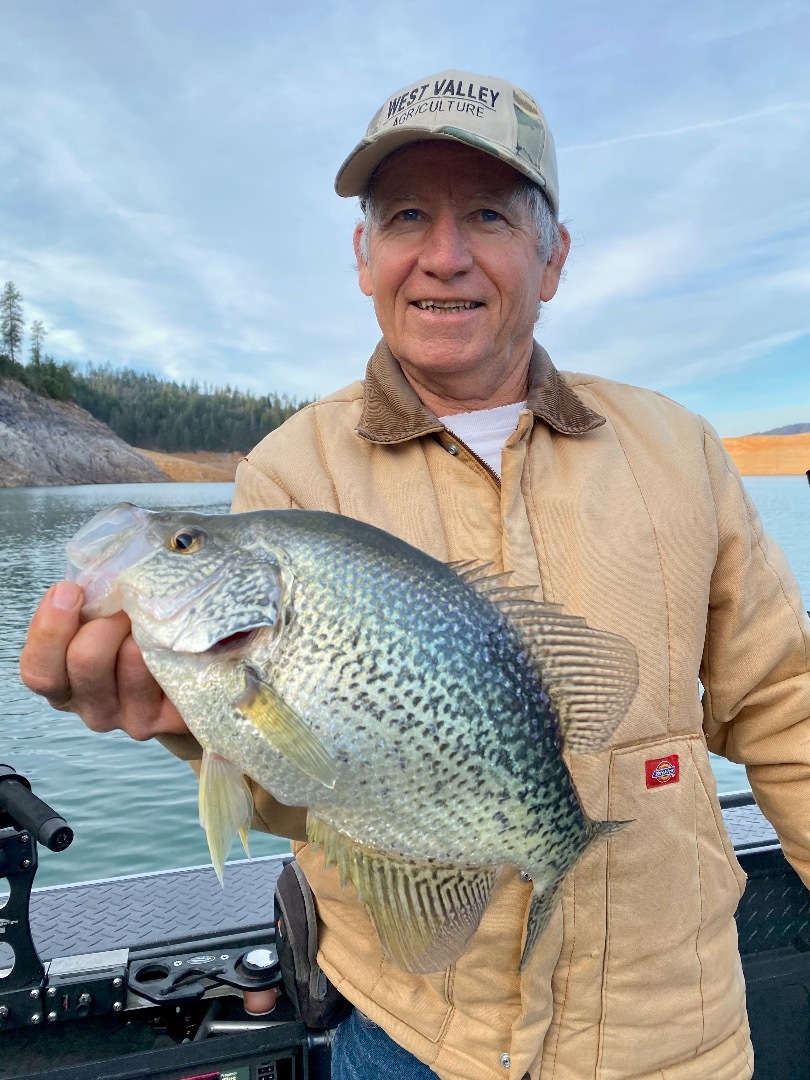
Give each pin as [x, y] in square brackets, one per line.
[166, 976]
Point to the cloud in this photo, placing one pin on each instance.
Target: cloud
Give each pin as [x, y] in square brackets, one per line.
[166, 180]
[689, 129]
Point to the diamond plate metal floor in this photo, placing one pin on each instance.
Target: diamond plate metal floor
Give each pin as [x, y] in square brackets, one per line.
[748, 828]
[147, 909]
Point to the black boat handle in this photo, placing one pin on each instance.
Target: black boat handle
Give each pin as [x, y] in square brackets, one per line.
[19, 803]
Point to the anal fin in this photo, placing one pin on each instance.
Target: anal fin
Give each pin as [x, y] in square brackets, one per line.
[424, 913]
[226, 807]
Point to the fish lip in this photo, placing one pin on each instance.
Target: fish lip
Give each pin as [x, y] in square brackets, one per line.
[104, 538]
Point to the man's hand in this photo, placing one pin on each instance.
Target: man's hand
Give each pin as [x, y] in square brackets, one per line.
[94, 669]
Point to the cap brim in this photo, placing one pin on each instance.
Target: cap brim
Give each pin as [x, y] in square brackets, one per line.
[363, 160]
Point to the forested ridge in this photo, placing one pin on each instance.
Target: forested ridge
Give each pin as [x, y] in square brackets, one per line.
[144, 410]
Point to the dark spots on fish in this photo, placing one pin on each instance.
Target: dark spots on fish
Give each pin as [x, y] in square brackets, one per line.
[500, 817]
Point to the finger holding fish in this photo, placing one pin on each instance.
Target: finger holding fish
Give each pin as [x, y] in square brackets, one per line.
[93, 668]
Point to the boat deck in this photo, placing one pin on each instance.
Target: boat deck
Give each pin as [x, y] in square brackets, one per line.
[182, 905]
[154, 909]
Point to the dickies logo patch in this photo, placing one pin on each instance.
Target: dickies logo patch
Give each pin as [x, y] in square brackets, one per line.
[661, 771]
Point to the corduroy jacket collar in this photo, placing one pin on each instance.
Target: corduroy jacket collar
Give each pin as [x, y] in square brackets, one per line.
[393, 413]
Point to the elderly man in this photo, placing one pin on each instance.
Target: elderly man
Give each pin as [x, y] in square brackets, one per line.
[618, 504]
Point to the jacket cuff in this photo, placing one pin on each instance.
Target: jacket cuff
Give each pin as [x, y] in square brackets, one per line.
[185, 747]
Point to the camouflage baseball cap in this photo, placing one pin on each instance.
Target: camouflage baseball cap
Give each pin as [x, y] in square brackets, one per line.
[487, 113]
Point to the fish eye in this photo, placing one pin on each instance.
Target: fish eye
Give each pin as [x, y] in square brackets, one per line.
[186, 540]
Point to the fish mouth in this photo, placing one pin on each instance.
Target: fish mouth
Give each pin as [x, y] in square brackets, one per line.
[237, 642]
[109, 543]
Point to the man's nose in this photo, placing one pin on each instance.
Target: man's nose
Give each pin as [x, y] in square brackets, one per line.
[445, 250]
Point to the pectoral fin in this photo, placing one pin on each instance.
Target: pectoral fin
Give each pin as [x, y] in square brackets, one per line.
[226, 807]
[424, 913]
[285, 730]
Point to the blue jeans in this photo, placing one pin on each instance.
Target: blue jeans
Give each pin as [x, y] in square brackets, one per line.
[362, 1051]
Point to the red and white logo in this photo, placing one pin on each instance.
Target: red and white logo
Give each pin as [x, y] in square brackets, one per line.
[662, 771]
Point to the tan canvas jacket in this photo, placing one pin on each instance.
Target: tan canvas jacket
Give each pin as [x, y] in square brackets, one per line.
[623, 507]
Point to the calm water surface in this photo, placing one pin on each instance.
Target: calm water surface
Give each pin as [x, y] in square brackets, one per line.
[132, 806]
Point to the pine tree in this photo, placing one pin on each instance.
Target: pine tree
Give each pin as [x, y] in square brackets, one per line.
[12, 322]
[38, 335]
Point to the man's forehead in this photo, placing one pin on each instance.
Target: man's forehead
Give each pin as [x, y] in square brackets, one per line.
[431, 167]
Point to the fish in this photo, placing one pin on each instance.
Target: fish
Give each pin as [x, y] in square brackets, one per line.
[419, 710]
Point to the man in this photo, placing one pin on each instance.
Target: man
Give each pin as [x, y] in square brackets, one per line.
[610, 500]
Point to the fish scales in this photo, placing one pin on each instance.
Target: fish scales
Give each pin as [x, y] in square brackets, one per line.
[348, 672]
[448, 696]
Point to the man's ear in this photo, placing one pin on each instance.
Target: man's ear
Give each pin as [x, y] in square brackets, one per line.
[553, 270]
[363, 272]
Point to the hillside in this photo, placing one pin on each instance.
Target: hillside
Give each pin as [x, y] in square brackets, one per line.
[788, 429]
[46, 443]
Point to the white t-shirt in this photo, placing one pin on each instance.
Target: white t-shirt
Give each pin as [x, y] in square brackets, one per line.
[486, 430]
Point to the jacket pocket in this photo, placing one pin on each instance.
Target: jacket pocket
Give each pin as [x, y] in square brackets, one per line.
[671, 965]
[421, 1002]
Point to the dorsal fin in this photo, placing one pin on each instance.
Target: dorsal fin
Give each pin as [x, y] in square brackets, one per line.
[424, 913]
[590, 675]
[494, 586]
[471, 570]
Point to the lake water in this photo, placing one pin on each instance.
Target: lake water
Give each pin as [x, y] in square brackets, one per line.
[133, 806]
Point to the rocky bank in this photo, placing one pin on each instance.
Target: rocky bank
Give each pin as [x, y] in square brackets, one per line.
[46, 443]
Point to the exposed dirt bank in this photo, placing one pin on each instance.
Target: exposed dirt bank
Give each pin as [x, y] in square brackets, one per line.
[770, 455]
[196, 465]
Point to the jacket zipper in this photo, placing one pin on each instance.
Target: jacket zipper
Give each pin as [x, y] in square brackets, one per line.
[453, 440]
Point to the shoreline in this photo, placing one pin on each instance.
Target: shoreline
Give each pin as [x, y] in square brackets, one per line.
[754, 455]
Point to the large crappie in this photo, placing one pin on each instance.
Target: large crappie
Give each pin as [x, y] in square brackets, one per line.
[417, 710]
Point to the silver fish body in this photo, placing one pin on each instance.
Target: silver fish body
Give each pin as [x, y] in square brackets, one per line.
[418, 711]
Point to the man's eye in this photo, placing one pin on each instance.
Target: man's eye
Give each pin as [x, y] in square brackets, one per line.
[490, 215]
[409, 215]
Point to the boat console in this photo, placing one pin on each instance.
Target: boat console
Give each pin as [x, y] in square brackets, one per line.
[166, 976]
[156, 976]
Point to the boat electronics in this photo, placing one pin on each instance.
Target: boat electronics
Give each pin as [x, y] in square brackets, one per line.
[209, 1008]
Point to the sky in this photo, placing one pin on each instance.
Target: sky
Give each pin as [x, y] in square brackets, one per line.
[167, 170]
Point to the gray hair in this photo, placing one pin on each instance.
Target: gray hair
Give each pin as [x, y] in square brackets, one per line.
[526, 196]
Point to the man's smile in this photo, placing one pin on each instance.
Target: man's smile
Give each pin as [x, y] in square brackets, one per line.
[442, 306]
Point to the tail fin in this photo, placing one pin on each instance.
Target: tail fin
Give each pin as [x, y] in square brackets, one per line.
[606, 828]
